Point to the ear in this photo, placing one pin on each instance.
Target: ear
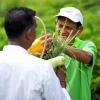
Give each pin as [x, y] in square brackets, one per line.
[79, 30]
[30, 36]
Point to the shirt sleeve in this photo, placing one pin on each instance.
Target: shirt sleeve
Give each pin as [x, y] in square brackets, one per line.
[52, 87]
[90, 47]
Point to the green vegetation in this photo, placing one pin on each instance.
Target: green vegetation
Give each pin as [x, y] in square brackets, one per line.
[46, 9]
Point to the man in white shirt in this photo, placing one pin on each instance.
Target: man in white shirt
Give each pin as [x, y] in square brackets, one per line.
[23, 76]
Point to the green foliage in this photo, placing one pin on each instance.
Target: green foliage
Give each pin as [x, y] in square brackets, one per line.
[46, 9]
[3, 38]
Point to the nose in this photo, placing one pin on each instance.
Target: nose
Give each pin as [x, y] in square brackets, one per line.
[63, 31]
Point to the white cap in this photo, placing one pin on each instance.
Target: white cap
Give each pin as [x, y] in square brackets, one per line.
[71, 13]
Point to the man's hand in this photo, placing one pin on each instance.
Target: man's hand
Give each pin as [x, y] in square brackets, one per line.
[46, 40]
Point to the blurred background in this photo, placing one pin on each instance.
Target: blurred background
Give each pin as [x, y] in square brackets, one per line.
[47, 9]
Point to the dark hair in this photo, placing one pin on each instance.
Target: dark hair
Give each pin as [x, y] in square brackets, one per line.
[17, 20]
[78, 24]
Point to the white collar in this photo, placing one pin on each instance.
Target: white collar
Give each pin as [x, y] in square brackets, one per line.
[14, 48]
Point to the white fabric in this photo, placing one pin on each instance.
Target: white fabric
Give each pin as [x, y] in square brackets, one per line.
[72, 13]
[25, 77]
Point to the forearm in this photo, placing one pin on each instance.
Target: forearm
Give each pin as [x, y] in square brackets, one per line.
[78, 54]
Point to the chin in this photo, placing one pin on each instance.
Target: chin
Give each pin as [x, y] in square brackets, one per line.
[62, 39]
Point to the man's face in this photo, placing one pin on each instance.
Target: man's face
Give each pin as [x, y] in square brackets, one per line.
[29, 36]
[64, 27]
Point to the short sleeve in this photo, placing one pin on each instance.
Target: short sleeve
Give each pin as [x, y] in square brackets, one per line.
[90, 47]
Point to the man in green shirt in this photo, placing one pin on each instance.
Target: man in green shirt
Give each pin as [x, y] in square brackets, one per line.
[80, 55]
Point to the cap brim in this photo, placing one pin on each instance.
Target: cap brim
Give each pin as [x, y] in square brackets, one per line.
[68, 16]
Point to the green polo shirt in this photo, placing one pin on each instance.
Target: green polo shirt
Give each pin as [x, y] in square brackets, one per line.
[78, 74]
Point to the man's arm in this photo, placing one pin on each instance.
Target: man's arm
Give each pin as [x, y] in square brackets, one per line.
[52, 87]
[78, 54]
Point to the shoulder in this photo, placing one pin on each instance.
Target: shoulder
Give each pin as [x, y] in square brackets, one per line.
[90, 46]
[84, 42]
[39, 65]
[38, 61]
[89, 42]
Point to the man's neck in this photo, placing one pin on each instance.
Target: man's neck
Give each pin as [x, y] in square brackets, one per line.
[13, 42]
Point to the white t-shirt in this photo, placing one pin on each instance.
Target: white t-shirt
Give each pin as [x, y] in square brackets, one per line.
[26, 77]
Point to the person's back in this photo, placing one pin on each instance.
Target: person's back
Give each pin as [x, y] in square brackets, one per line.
[24, 77]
